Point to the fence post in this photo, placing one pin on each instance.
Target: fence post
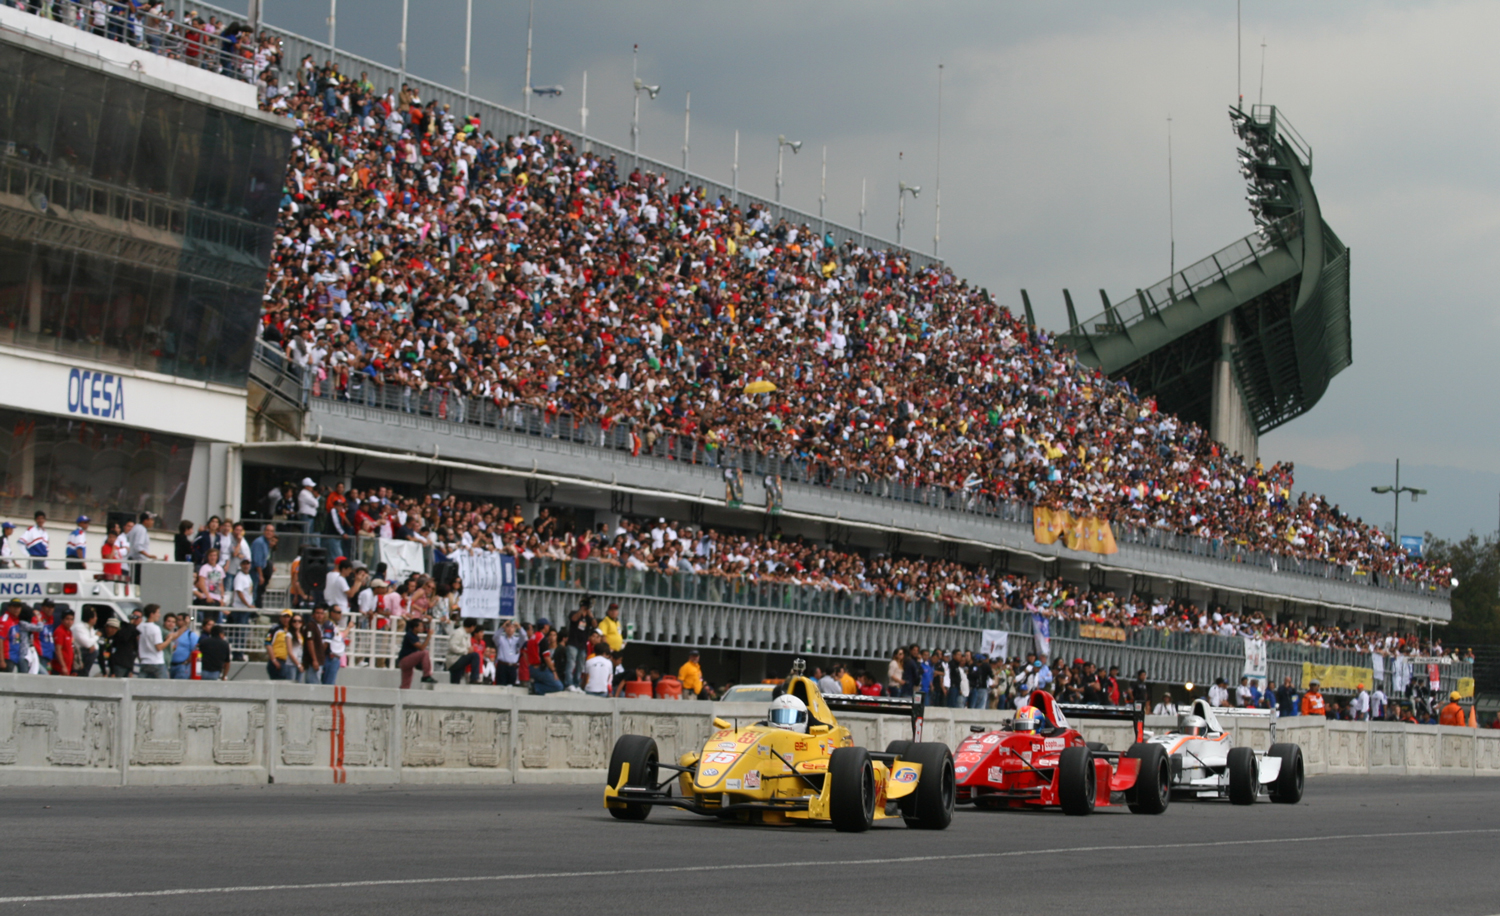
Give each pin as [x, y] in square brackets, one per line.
[273, 735]
[125, 734]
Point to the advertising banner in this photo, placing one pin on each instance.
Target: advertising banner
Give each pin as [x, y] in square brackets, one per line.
[1096, 631]
[994, 643]
[1255, 658]
[481, 579]
[1041, 635]
[1336, 677]
[401, 559]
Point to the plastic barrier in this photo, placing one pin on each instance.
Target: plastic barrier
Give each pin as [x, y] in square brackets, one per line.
[669, 688]
[636, 689]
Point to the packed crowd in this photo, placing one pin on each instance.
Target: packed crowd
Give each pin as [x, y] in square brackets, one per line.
[452, 525]
[419, 253]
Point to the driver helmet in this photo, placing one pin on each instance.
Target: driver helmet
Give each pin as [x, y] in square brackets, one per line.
[789, 713]
[1195, 726]
[1027, 719]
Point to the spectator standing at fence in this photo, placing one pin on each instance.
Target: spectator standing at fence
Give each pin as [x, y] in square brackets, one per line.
[314, 652]
[34, 541]
[509, 643]
[341, 583]
[183, 648]
[307, 502]
[827, 682]
[182, 543]
[207, 539]
[1453, 713]
[77, 548]
[613, 632]
[1359, 707]
[1378, 703]
[152, 641]
[242, 597]
[20, 643]
[460, 658]
[1312, 701]
[117, 648]
[86, 641]
[1243, 694]
[281, 648]
[336, 629]
[414, 652]
[7, 547]
[213, 654]
[64, 658]
[691, 676]
[1286, 698]
[1218, 694]
[1166, 707]
[262, 567]
[598, 674]
[140, 543]
[580, 628]
[894, 680]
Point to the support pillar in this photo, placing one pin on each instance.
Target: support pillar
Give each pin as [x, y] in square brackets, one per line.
[1230, 423]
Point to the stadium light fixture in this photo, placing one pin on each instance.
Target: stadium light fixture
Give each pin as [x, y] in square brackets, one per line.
[781, 144]
[903, 189]
[1396, 492]
[635, 118]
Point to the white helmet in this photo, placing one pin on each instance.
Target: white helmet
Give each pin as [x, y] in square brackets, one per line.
[789, 713]
[1196, 726]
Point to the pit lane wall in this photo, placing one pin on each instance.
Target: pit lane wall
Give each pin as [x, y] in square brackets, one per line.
[56, 731]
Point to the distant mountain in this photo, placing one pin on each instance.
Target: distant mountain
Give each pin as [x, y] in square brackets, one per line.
[1458, 501]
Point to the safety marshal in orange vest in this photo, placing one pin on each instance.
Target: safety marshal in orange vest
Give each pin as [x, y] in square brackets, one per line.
[1312, 701]
[1452, 714]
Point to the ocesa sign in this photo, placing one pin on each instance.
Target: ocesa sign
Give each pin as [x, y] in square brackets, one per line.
[96, 394]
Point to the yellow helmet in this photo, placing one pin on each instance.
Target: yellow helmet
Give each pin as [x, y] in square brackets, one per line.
[1027, 718]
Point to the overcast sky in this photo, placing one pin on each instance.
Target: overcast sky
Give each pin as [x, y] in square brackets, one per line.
[1054, 151]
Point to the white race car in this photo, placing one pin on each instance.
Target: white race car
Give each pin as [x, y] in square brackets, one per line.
[1206, 764]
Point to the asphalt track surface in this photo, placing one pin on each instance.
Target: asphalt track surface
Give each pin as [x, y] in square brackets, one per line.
[1355, 845]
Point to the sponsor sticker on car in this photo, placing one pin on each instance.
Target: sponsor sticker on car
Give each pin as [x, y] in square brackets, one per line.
[752, 779]
[710, 772]
[731, 783]
[991, 739]
[1054, 744]
[905, 774]
[728, 746]
[960, 769]
[996, 774]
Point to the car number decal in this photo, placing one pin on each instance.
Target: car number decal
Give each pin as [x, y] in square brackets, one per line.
[991, 739]
[969, 757]
[719, 757]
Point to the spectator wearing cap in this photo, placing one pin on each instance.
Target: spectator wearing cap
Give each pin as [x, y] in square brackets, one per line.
[7, 546]
[118, 647]
[307, 502]
[78, 544]
[691, 676]
[34, 541]
[1453, 713]
[1359, 707]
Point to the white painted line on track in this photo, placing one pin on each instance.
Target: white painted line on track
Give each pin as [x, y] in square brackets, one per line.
[739, 866]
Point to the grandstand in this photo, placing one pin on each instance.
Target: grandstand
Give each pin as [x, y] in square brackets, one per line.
[1248, 338]
[344, 387]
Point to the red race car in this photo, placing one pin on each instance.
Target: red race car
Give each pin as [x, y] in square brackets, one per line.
[1039, 760]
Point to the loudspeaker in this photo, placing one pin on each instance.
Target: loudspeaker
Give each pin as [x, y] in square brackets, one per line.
[445, 574]
[312, 571]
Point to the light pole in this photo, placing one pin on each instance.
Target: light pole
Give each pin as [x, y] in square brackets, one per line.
[1396, 492]
[583, 113]
[903, 189]
[687, 126]
[781, 144]
[937, 218]
[734, 174]
[635, 117]
[333, 19]
[823, 195]
[405, 9]
[526, 92]
[862, 212]
[468, 49]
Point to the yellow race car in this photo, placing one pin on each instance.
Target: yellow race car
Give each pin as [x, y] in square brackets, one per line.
[798, 764]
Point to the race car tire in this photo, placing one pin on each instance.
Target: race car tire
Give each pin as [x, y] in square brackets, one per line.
[640, 752]
[851, 790]
[1152, 791]
[1098, 747]
[1244, 776]
[899, 748]
[930, 807]
[1287, 789]
[1076, 781]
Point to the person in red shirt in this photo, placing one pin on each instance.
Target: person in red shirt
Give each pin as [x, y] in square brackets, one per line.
[62, 642]
[8, 616]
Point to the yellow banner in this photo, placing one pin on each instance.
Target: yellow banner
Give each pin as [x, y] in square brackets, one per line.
[1337, 677]
[1095, 631]
[1466, 687]
[1048, 525]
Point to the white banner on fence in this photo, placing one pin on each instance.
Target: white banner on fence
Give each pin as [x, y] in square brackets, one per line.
[1041, 635]
[1377, 665]
[1255, 658]
[994, 643]
[481, 579]
[1400, 675]
[401, 559]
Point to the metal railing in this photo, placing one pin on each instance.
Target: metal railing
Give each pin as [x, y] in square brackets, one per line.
[441, 405]
[157, 34]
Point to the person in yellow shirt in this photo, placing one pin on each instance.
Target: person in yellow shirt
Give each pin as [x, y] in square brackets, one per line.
[610, 627]
[691, 676]
[847, 684]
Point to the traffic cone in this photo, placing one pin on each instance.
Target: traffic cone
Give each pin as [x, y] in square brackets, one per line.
[1473, 719]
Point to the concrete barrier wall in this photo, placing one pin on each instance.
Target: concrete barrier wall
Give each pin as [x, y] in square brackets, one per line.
[56, 731]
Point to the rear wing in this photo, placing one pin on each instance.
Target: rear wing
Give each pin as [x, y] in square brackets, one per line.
[913, 706]
[1133, 712]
